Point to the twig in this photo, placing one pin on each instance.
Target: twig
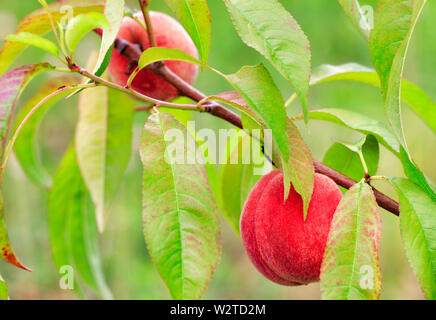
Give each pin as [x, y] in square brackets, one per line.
[133, 53]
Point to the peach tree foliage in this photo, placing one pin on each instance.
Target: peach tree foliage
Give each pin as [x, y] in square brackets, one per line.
[182, 202]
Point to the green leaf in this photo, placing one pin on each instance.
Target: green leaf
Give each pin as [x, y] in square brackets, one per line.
[103, 143]
[4, 295]
[72, 225]
[26, 146]
[11, 86]
[415, 175]
[347, 162]
[195, 18]
[31, 39]
[38, 23]
[181, 222]
[418, 232]
[114, 13]
[263, 97]
[354, 12]
[359, 123]
[394, 24]
[351, 269]
[155, 54]
[266, 26]
[80, 25]
[419, 102]
[237, 177]
[300, 166]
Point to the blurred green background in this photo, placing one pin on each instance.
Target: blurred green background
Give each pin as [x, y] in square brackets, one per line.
[129, 270]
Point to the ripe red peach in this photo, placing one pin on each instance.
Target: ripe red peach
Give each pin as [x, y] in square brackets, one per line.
[281, 245]
[168, 33]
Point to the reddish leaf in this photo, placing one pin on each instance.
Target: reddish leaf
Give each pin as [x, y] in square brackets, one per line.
[11, 86]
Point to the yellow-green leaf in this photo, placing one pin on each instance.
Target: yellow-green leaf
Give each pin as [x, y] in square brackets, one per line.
[38, 23]
[31, 39]
[80, 25]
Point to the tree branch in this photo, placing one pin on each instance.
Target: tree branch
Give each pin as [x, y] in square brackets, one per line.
[133, 53]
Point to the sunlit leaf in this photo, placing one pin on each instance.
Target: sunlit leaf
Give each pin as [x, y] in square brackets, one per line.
[418, 101]
[266, 26]
[181, 222]
[39, 23]
[26, 146]
[103, 143]
[155, 54]
[114, 13]
[80, 25]
[394, 24]
[72, 225]
[195, 18]
[343, 160]
[31, 39]
[418, 232]
[351, 269]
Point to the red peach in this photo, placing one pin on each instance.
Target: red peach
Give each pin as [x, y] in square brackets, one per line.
[169, 34]
[282, 246]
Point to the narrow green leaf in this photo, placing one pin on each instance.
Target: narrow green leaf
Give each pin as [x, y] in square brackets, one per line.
[418, 101]
[38, 23]
[11, 86]
[26, 146]
[195, 18]
[114, 13]
[359, 123]
[394, 24]
[80, 25]
[343, 160]
[351, 269]
[418, 232]
[72, 225]
[355, 13]
[263, 97]
[267, 27]
[104, 133]
[237, 176]
[181, 222]
[415, 175]
[31, 39]
[4, 295]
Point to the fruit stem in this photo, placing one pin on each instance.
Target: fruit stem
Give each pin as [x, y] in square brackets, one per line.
[146, 13]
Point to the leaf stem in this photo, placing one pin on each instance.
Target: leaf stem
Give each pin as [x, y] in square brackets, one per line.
[131, 91]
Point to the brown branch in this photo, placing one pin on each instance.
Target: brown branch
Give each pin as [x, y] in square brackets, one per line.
[133, 52]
